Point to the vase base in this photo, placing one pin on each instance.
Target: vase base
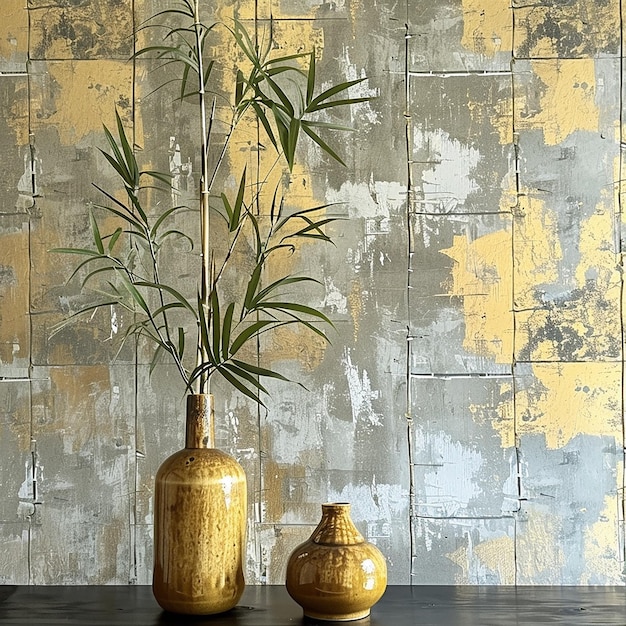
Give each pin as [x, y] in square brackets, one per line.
[346, 617]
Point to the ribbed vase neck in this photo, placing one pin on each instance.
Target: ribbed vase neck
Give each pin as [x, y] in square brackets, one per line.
[336, 526]
[199, 429]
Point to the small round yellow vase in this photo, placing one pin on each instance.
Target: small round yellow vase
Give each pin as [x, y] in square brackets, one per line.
[336, 575]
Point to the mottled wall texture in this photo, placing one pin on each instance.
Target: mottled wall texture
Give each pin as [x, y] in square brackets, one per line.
[470, 406]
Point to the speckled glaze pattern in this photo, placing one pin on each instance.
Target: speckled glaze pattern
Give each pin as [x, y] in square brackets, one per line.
[199, 522]
[336, 575]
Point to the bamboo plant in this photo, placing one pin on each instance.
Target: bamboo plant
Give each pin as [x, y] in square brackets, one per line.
[124, 265]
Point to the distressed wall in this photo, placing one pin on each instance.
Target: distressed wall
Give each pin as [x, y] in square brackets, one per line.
[471, 403]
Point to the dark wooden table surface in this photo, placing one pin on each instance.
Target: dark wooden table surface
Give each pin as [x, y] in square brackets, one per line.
[271, 606]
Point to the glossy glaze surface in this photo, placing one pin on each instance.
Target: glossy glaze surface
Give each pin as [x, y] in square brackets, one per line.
[200, 524]
[336, 575]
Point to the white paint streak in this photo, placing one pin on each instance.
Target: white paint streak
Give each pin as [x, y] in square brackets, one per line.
[334, 299]
[361, 393]
[449, 486]
[372, 504]
[447, 183]
[362, 110]
[376, 199]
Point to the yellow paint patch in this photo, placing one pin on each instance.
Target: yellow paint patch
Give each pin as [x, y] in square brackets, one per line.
[567, 102]
[567, 399]
[13, 30]
[355, 305]
[14, 294]
[538, 553]
[75, 393]
[596, 25]
[481, 276]
[291, 344]
[601, 540]
[78, 97]
[460, 557]
[599, 261]
[487, 26]
[593, 315]
[499, 556]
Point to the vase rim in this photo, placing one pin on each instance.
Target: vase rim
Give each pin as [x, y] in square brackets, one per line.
[336, 504]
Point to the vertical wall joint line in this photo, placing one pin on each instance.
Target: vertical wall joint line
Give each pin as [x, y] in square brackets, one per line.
[410, 251]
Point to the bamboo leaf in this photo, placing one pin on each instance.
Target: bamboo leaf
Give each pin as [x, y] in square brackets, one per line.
[310, 86]
[330, 92]
[134, 292]
[292, 142]
[283, 282]
[293, 307]
[239, 87]
[259, 371]
[321, 143]
[181, 342]
[114, 237]
[156, 357]
[173, 292]
[253, 284]
[245, 335]
[282, 96]
[175, 233]
[237, 384]
[226, 330]
[164, 216]
[236, 214]
[95, 231]
[337, 103]
[129, 156]
[266, 124]
[216, 323]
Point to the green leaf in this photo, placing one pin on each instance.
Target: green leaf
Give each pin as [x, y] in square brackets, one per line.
[282, 96]
[283, 282]
[266, 124]
[344, 102]
[321, 143]
[310, 85]
[173, 292]
[236, 215]
[163, 217]
[237, 384]
[251, 331]
[175, 233]
[293, 307]
[226, 330]
[181, 342]
[329, 93]
[239, 87]
[156, 358]
[253, 284]
[134, 292]
[95, 231]
[292, 142]
[129, 156]
[114, 237]
[216, 322]
[259, 371]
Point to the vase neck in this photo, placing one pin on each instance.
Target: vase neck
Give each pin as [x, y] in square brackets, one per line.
[336, 526]
[200, 430]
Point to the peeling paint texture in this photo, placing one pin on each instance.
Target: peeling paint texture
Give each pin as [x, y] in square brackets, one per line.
[470, 406]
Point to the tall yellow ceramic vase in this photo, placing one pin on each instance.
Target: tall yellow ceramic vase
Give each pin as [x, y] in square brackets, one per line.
[199, 522]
